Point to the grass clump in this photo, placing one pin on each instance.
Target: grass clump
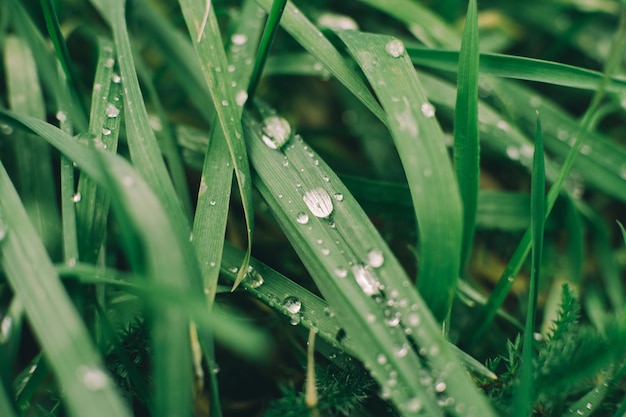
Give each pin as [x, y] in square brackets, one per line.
[188, 189]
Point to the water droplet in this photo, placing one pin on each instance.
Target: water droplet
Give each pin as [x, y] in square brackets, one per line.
[116, 78]
[440, 386]
[253, 278]
[241, 97]
[338, 196]
[277, 132]
[413, 405]
[61, 116]
[513, 152]
[325, 252]
[428, 110]
[502, 125]
[295, 319]
[366, 280]
[233, 269]
[6, 325]
[401, 351]
[239, 39]
[302, 218]
[292, 304]
[76, 197]
[212, 202]
[375, 258]
[329, 312]
[337, 22]
[341, 272]
[105, 131]
[93, 378]
[224, 103]
[112, 111]
[414, 320]
[588, 406]
[109, 63]
[6, 129]
[395, 48]
[381, 359]
[392, 318]
[203, 187]
[319, 202]
[585, 149]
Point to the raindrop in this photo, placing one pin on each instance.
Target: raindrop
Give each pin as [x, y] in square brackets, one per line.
[76, 198]
[239, 39]
[93, 378]
[502, 125]
[295, 319]
[329, 312]
[319, 202]
[233, 269]
[428, 110]
[337, 22]
[241, 97]
[401, 351]
[292, 304]
[588, 406]
[513, 152]
[203, 187]
[109, 63]
[225, 103]
[276, 132]
[413, 320]
[341, 272]
[5, 129]
[61, 116]
[585, 149]
[392, 318]
[381, 359]
[338, 196]
[325, 252]
[112, 111]
[253, 278]
[116, 78]
[5, 328]
[375, 258]
[440, 386]
[366, 280]
[395, 48]
[71, 262]
[413, 405]
[105, 131]
[302, 218]
[212, 202]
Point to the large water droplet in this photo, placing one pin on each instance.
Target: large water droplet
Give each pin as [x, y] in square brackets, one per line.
[241, 97]
[375, 258]
[302, 218]
[428, 110]
[292, 304]
[366, 280]
[395, 48]
[93, 378]
[440, 386]
[116, 78]
[61, 116]
[112, 111]
[276, 132]
[319, 202]
[252, 279]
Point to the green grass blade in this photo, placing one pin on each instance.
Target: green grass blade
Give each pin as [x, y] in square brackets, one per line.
[466, 141]
[269, 33]
[6, 407]
[33, 159]
[311, 39]
[524, 394]
[62, 334]
[214, 64]
[421, 146]
[521, 68]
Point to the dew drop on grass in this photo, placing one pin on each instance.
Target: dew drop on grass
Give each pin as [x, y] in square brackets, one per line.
[239, 39]
[112, 111]
[105, 131]
[6, 326]
[395, 48]
[292, 304]
[276, 132]
[93, 378]
[61, 116]
[302, 218]
[252, 279]
[76, 197]
[513, 152]
[401, 351]
[366, 280]
[241, 97]
[440, 386]
[338, 196]
[212, 202]
[375, 258]
[337, 22]
[341, 272]
[319, 202]
[413, 405]
[116, 78]
[502, 125]
[428, 110]
[381, 359]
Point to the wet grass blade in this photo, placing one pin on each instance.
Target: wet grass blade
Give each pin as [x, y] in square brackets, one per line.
[88, 388]
[524, 394]
[466, 140]
[212, 57]
[421, 146]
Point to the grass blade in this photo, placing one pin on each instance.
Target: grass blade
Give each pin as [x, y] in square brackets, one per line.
[89, 389]
[524, 395]
[420, 143]
[466, 141]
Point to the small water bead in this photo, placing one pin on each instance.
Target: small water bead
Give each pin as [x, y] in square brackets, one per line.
[239, 39]
[337, 22]
[392, 318]
[6, 326]
[513, 152]
[338, 196]
[61, 116]
[502, 125]
[106, 131]
[212, 202]
[112, 111]
[128, 181]
[381, 359]
[241, 97]
[233, 269]
[428, 110]
[302, 218]
[375, 258]
[109, 63]
[116, 78]
[401, 351]
[225, 103]
[414, 320]
[292, 304]
[329, 312]
[5, 129]
[252, 279]
[319, 202]
[366, 280]
[276, 132]
[413, 405]
[93, 378]
[341, 272]
[440, 386]
[395, 48]
[76, 197]
[325, 252]
[588, 406]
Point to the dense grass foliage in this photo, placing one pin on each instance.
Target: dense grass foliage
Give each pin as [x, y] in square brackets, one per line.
[275, 208]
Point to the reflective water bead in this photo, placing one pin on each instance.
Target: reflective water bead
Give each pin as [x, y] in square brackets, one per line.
[93, 378]
[395, 48]
[366, 280]
[239, 39]
[241, 97]
[375, 258]
[76, 197]
[61, 116]
[338, 196]
[513, 152]
[341, 272]
[381, 359]
[440, 386]
[252, 279]
[276, 132]
[302, 218]
[319, 202]
[112, 111]
[116, 78]
[428, 110]
[292, 304]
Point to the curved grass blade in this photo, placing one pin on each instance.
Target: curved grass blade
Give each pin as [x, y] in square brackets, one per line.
[89, 390]
[314, 41]
[524, 395]
[212, 57]
[351, 265]
[140, 210]
[521, 68]
[466, 141]
[421, 146]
